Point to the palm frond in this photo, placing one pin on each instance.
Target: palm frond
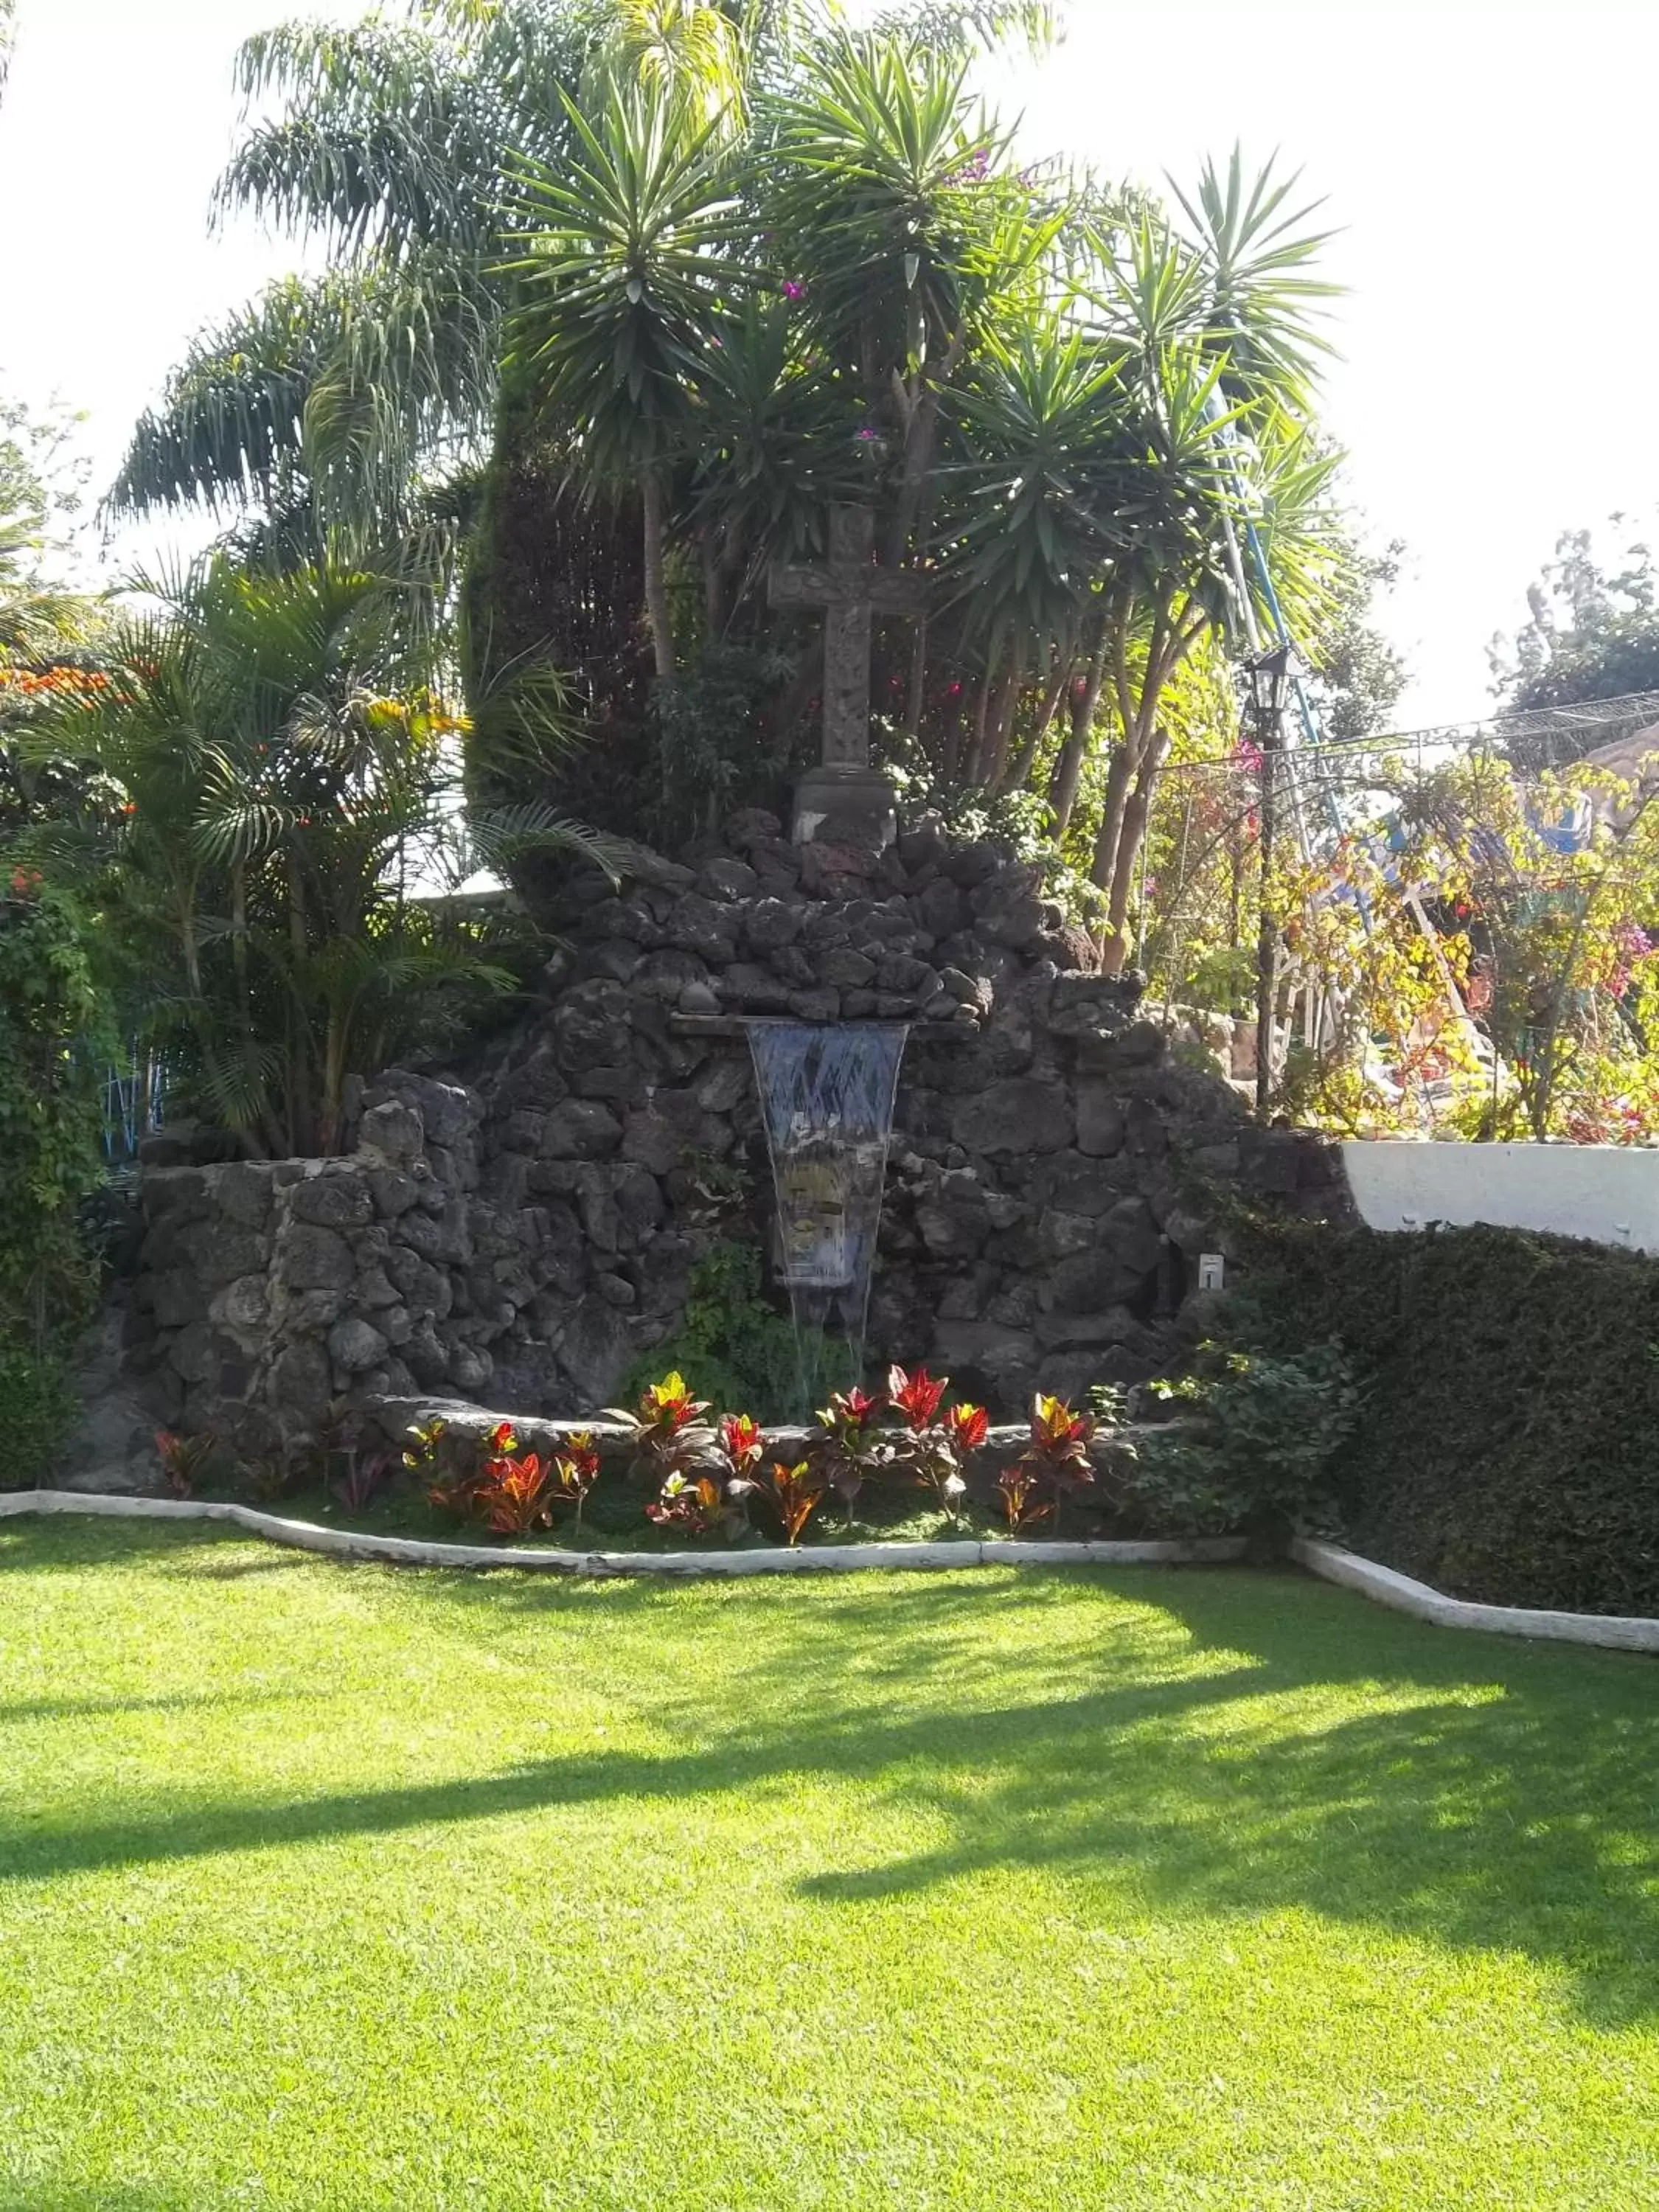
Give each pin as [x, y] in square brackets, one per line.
[496, 837]
[386, 140]
[343, 382]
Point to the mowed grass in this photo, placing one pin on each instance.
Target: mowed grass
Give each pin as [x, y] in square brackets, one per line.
[326, 1886]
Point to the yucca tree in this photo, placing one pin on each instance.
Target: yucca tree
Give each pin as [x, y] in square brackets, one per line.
[770, 450]
[626, 267]
[1041, 484]
[741, 261]
[1118, 460]
[875, 181]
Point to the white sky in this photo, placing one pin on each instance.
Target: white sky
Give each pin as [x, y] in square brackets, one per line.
[1490, 169]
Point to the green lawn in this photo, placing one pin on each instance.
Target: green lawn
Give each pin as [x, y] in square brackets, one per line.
[327, 1886]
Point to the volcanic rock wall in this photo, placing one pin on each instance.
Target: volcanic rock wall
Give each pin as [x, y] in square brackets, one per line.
[522, 1237]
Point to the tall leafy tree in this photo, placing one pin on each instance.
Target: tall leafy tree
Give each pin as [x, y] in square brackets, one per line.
[1592, 631]
[697, 272]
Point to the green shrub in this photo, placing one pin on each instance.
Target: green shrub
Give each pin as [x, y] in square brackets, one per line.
[51, 1025]
[733, 1346]
[1509, 1450]
[1258, 1451]
[36, 1409]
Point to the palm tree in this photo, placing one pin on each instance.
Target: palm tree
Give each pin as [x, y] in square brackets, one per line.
[278, 776]
[396, 144]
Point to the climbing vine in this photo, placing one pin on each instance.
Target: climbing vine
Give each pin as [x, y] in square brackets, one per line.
[51, 1021]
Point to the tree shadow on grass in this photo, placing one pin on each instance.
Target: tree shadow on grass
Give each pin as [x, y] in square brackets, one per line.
[1307, 1750]
[37, 1542]
[71, 1709]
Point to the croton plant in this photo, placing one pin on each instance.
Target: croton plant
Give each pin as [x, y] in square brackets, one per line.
[716, 1478]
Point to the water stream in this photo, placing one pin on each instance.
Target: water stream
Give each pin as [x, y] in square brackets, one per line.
[826, 1095]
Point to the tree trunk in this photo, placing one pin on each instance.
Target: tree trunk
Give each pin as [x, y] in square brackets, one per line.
[1020, 767]
[913, 705]
[1068, 768]
[1002, 729]
[713, 595]
[981, 715]
[656, 577]
[916, 477]
[300, 1136]
[1119, 777]
[952, 764]
[1131, 836]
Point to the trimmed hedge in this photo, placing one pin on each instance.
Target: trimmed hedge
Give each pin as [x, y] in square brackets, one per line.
[37, 1411]
[1509, 1449]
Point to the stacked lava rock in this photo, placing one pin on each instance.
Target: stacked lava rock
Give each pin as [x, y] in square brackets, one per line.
[522, 1233]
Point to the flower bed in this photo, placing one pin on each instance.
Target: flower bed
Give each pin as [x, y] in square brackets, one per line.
[905, 1467]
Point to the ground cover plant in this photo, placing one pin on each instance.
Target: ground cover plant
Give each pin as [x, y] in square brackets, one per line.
[331, 1888]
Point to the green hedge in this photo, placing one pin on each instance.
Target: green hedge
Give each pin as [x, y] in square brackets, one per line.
[37, 1411]
[1510, 1447]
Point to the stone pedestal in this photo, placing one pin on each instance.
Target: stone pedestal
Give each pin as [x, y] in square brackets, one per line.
[854, 807]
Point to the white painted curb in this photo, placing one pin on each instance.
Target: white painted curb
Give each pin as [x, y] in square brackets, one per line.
[1329, 1562]
[1613, 1632]
[414, 1551]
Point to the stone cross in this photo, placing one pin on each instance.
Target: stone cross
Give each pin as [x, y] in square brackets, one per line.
[850, 589]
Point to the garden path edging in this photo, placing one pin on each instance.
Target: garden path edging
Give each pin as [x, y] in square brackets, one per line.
[417, 1552]
[1385, 1586]
[1329, 1562]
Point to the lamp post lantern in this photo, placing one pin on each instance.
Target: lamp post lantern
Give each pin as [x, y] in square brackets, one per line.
[1269, 676]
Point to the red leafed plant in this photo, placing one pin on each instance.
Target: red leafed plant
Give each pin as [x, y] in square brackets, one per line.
[848, 1449]
[932, 1453]
[743, 1443]
[575, 1472]
[1054, 1464]
[185, 1460]
[1023, 1504]
[353, 1469]
[915, 1398]
[421, 1443]
[670, 1434]
[462, 1493]
[456, 1496]
[359, 1474]
[702, 1499]
[793, 1494]
[967, 1426]
[698, 1504]
[514, 1494]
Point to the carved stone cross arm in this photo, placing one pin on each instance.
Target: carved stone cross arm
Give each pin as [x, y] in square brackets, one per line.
[850, 590]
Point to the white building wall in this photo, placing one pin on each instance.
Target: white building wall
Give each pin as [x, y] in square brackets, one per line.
[1607, 1192]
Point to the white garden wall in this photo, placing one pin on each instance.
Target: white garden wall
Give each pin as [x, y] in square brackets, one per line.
[1609, 1193]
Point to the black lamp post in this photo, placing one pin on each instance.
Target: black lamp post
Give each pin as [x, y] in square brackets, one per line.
[1269, 676]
